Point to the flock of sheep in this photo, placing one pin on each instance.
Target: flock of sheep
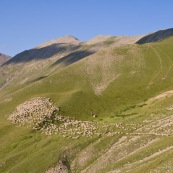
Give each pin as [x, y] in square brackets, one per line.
[41, 114]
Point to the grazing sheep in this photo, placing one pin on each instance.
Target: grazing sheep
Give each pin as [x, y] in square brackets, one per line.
[41, 114]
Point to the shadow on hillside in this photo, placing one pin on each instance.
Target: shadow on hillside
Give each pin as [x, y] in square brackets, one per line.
[40, 78]
[74, 57]
[156, 36]
[41, 53]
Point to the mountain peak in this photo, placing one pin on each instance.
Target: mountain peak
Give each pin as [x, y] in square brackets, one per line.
[68, 39]
[97, 39]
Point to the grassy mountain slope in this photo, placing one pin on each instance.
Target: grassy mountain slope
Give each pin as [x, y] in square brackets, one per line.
[126, 87]
[106, 82]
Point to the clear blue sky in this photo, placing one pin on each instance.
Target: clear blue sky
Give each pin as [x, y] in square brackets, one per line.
[27, 23]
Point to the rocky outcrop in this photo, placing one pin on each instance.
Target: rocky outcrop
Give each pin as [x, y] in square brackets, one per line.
[59, 168]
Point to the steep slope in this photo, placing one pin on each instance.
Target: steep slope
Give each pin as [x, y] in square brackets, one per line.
[47, 50]
[3, 58]
[156, 36]
[35, 63]
[41, 61]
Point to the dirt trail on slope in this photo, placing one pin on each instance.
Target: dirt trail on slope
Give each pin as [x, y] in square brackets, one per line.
[163, 95]
[118, 151]
[129, 167]
[161, 65]
[129, 145]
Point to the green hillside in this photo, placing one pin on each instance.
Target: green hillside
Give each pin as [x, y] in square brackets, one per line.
[129, 89]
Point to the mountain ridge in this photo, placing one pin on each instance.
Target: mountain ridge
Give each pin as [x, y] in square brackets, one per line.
[109, 39]
[156, 36]
[60, 53]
